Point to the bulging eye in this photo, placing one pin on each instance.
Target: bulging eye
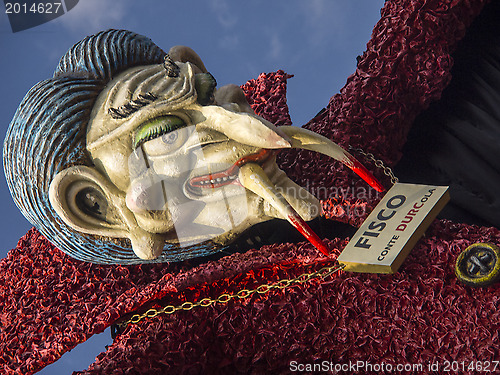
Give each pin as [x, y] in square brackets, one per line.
[170, 138]
[167, 143]
[162, 135]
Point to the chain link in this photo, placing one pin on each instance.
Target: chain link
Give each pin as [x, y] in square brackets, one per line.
[264, 288]
[378, 163]
[225, 298]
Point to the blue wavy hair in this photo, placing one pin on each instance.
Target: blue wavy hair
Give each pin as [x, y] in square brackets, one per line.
[48, 134]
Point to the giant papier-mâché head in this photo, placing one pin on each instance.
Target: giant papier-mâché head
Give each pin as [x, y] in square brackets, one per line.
[131, 155]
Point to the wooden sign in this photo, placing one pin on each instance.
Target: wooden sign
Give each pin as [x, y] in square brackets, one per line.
[393, 228]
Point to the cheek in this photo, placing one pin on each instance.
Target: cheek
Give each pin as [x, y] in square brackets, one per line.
[115, 166]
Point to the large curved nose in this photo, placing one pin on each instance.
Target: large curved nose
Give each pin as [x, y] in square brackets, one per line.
[245, 128]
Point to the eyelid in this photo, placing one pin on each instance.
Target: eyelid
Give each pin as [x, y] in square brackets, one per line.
[157, 127]
[205, 136]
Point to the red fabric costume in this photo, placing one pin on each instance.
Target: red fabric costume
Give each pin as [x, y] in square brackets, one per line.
[49, 302]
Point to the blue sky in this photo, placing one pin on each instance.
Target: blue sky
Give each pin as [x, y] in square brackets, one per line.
[315, 40]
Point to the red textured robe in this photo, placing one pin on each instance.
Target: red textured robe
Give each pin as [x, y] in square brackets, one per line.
[49, 303]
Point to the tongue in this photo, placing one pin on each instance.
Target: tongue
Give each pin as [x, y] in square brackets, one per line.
[228, 176]
[252, 177]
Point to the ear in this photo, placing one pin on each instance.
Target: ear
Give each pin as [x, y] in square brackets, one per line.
[88, 202]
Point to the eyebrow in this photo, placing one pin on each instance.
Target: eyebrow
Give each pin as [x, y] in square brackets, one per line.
[132, 106]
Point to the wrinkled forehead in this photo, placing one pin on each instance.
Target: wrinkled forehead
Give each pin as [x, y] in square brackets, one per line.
[135, 96]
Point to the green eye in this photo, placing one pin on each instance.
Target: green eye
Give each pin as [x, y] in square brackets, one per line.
[156, 128]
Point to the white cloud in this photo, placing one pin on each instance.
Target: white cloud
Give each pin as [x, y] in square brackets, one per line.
[225, 16]
[316, 8]
[276, 47]
[94, 15]
[323, 19]
[230, 41]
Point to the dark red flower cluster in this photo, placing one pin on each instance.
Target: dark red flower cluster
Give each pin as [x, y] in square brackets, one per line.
[420, 315]
[49, 302]
[267, 96]
[405, 67]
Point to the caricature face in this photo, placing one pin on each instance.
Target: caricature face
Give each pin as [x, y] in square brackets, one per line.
[178, 162]
[181, 175]
[184, 174]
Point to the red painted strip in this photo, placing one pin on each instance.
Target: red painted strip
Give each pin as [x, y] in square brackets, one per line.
[308, 233]
[365, 174]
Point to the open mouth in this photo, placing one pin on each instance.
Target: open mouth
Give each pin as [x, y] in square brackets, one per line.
[230, 175]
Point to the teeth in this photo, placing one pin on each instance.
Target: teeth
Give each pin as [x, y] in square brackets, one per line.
[218, 180]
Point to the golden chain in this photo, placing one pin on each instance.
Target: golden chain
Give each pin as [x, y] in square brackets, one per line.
[378, 163]
[242, 294]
